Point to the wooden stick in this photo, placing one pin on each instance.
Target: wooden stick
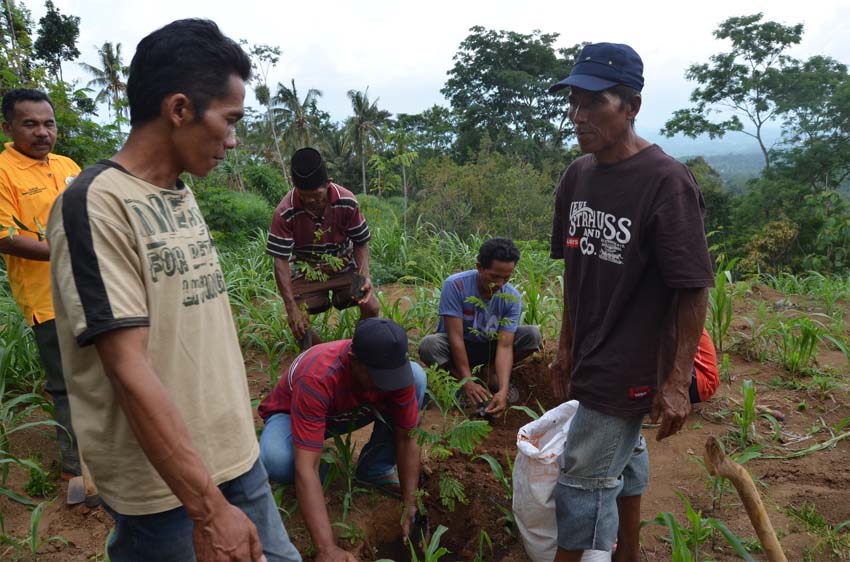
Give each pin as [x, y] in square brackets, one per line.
[718, 465]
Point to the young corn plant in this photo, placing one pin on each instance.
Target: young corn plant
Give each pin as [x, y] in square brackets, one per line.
[717, 485]
[30, 544]
[507, 488]
[433, 551]
[798, 340]
[745, 417]
[686, 541]
[720, 305]
[16, 414]
[342, 456]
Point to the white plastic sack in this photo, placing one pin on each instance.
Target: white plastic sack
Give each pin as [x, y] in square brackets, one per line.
[541, 445]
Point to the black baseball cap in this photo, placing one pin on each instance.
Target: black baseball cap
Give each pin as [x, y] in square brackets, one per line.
[308, 169]
[604, 65]
[381, 345]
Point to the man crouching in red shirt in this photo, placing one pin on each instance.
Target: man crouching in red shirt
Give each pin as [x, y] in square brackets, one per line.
[335, 388]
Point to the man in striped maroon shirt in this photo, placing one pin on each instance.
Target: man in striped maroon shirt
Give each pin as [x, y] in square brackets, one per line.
[334, 388]
[320, 242]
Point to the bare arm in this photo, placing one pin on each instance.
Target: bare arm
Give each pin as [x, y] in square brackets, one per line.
[560, 369]
[296, 319]
[222, 532]
[460, 360]
[25, 247]
[407, 458]
[361, 256]
[311, 498]
[672, 402]
[504, 362]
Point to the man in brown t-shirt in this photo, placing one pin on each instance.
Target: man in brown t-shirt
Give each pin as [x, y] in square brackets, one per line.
[320, 243]
[153, 366]
[628, 225]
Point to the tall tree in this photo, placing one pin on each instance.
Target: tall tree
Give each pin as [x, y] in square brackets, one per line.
[498, 86]
[815, 108]
[57, 39]
[263, 59]
[365, 125]
[299, 117]
[740, 84]
[109, 77]
[15, 46]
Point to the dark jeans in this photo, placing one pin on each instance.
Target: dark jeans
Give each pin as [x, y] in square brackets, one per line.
[51, 360]
[167, 536]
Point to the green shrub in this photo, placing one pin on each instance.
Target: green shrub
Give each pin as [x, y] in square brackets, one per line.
[233, 217]
[267, 181]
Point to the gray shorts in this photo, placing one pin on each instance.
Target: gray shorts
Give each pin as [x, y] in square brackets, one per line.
[605, 458]
[434, 349]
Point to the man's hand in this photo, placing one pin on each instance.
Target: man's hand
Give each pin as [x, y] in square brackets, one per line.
[498, 403]
[407, 522]
[559, 372]
[672, 404]
[335, 554]
[227, 535]
[366, 289]
[298, 322]
[476, 393]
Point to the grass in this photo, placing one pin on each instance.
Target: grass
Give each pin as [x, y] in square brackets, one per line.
[832, 540]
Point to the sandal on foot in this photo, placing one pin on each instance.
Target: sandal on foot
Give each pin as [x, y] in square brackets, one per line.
[388, 484]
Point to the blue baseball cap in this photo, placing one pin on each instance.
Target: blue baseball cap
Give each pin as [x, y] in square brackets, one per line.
[381, 346]
[604, 65]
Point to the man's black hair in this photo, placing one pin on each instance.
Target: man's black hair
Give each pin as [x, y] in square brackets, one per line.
[501, 249]
[189, 56]
[12, 97]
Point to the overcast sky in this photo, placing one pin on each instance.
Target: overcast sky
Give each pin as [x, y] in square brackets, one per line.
[402, 50]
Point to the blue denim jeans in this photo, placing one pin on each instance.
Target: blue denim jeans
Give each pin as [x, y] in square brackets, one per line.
[167, 536]
[605, 458]
[377, 459]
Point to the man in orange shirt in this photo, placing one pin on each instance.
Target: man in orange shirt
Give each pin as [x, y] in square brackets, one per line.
[704, 378]
[30, 180]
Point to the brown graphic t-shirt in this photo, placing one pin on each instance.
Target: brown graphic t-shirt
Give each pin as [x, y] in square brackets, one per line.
[630, 234]
[127, 253]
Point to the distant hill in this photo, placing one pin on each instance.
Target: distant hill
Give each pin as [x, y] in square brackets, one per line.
[735, 168]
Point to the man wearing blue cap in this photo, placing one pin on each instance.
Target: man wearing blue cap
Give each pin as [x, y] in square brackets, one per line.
[334, 388]
[628, 225]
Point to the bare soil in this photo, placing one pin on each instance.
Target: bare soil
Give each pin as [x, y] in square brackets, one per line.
[821, 478]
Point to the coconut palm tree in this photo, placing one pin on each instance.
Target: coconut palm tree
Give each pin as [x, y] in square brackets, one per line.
[110, 78]
[365, 125]
[299, 118]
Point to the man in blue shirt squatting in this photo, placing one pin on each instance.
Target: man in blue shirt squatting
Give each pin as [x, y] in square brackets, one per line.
[479, 326]
[628, 224]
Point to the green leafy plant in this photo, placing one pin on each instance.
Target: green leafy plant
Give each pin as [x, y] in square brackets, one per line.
[717, 485]
[504, 481]
[686, 541]
[452, 491]
[456, 434]
[342, 457]
[33, 542]
[39, 484]
[720, 299]
[432, 551]
[484, 541]
[833, 540]
[798, 340]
